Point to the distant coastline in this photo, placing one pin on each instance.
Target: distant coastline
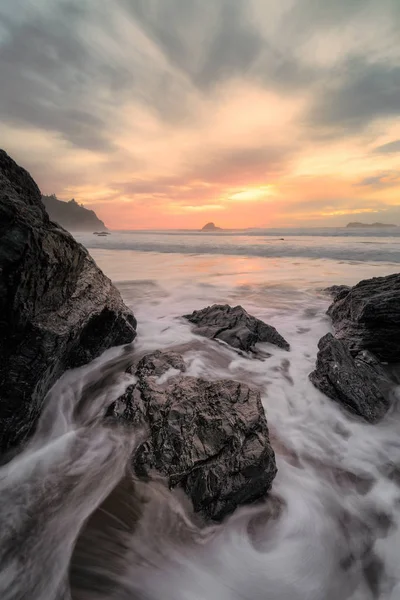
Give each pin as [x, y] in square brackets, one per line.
[369, 225]
[71, 215]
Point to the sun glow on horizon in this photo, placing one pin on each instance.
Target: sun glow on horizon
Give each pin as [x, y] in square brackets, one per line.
[158, 118]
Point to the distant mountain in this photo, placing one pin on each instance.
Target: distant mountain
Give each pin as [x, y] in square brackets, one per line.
[211, 227]
[71, 215]
[364, 225]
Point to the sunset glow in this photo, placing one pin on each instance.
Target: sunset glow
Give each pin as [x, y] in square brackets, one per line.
[149, 114]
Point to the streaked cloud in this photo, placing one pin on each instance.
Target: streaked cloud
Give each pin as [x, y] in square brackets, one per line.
[382, 180]
[167, 112]
[390, 147]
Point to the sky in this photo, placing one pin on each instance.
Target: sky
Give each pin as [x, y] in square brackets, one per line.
[173, 113]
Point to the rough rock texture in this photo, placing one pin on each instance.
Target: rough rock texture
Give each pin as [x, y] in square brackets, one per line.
[359, 383]
[208, 438]
[57, 309]
[368, 317]
[338, 291]
[235, 327]
[366, 321]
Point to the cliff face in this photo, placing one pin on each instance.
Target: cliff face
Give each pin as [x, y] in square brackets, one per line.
[72, 215]
[57, 309]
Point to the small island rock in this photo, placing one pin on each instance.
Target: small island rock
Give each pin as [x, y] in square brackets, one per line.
[210, 227]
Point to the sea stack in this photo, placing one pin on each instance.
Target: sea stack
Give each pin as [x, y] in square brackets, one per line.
[210, 227]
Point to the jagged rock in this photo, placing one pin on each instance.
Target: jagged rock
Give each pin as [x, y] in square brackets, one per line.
[57, 309]
[235, 327]
[360, 383]
[338, 291]
[366, 322]
[208, 438]
[71, 215]
[368, 317]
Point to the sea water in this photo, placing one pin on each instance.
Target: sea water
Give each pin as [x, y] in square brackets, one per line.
[329, 530]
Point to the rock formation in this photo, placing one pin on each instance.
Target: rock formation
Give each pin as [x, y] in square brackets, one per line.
[359, 225]
[210, 227]
[57, 309]
[368, 317]
[338, 291]
[351, 365]
[359, 383]
[71, 215]
[208, 438]
[235, 327]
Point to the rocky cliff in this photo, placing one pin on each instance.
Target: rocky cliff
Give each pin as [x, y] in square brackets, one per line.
[71, 215]
[57, 309]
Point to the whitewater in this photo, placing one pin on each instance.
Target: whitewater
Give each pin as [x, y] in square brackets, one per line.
[329, 529]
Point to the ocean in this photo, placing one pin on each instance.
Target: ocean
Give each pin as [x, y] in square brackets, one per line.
[338, 536]
[335, 535]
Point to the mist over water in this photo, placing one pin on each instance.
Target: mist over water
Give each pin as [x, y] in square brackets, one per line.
[329, 529]
[374, 245]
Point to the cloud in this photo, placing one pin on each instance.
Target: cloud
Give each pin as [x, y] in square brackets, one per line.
[389, 148]
[240, 165]
[207, 41]
[191, 105]
[360, 93]
[43, 65]
[382, 180]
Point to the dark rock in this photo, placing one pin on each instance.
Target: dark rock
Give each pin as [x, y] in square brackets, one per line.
[368, 317]
[208, 438]
[235, 327]
[57, 309]
[210, 227]
[360, 383]
[369, 225]
[71, 215]
[338, 291]
[366, 321]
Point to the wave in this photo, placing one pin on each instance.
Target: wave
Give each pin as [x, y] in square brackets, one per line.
[76, 523]
[359, 250]
[273, 232]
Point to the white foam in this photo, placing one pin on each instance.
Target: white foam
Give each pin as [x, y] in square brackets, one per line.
[337, 535]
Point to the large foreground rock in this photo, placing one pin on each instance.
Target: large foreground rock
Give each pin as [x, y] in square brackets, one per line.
[235, 327]
[366, 322]
[208, 438]
[359, 383]
[368, 317]
[57, 309]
